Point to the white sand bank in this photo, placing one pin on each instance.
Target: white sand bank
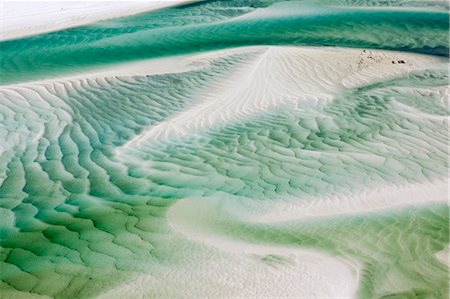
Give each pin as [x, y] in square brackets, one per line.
[274, 273]
[224, 267]
[292, 272]
[282, 76]
[282, 271]
[24, 18]
[367, 201]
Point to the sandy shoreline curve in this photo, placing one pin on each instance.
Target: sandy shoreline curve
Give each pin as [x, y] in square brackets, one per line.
[24, 18]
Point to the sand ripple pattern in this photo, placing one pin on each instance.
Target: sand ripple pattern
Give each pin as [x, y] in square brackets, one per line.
[85, 184]
[236, 164]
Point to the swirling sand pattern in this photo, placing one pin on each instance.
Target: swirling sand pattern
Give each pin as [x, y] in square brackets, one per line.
[118, 184]
[213, 25]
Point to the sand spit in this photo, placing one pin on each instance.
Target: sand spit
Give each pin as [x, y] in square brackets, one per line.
[24, 18]
[294, 272]
[239, 269]
[365, 201]
[277, 76]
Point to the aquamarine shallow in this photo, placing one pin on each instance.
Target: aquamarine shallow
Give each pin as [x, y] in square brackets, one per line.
[78, 219]
[213, 25]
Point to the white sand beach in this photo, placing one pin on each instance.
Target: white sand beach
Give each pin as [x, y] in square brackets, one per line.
[25, 18]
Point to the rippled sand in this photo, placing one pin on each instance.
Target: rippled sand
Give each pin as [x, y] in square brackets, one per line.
[267, 149]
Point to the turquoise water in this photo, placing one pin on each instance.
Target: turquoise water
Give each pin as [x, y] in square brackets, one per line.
[214, 25]
[77, 218]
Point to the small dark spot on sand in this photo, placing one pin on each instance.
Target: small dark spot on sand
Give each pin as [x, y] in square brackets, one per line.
[401, 61]
[277, 260]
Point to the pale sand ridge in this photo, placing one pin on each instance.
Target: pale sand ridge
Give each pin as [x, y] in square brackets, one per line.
[282, 76]
[25, 18]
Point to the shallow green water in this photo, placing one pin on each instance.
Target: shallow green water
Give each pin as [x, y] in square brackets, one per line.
[213, 25]
[77, 219]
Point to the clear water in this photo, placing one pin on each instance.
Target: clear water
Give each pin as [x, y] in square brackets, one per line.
[75, 220]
